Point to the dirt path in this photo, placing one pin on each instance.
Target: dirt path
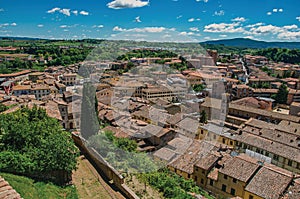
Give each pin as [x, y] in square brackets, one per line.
[142, 191]
[90, 184]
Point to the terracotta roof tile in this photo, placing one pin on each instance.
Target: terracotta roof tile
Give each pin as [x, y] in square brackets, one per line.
[268, 183]
[240, 168]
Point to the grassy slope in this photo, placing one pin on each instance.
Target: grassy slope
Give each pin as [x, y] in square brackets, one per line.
[29, 189]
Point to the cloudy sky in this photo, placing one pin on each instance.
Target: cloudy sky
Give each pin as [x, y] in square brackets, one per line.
[195, 20]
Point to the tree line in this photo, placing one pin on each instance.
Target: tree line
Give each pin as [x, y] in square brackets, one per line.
[280, 55]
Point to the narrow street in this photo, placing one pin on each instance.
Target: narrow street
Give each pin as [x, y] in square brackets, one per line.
[245, 70]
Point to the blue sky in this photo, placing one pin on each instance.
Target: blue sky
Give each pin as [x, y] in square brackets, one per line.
[176, 20]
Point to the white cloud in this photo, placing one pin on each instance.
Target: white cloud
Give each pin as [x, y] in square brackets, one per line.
[7, 24]
[118, 29]
[290, 27]
[194, 29]
[63, 26]
[267, 29]
[166, 36]
[40, 25]
[53, 10]
[193, 19]
[298, 18]
[85, 13]
[137, 19]
[75, 12]
[98, 26]
[154, 34]
[220, 13]
[186, 33]
[121, 4]
[255, 25]
[143, 30]
[178, 17]
[223, 36]
[205, 1]
[223, 28]
[65, 11]
[249, 37]
[239, 19]
[289, 35]
[149, 29]
[287, 32]
[1, 10]
[275, 10]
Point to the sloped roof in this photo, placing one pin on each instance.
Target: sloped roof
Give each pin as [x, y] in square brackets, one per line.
[268, 183]
[6, 191]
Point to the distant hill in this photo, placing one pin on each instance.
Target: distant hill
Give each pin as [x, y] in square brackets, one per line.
[249, 43]
[19, 38]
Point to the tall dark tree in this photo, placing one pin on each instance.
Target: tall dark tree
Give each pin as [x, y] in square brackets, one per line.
[89, 124]
[282, 94]
[203, 117]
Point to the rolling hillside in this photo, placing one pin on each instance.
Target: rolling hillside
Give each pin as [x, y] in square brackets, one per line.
[249, 43]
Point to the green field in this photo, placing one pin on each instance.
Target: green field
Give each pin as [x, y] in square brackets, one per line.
[29, 189]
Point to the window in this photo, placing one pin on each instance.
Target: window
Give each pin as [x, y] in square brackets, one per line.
[234, 180]
[290, 162]
[267, 153]
[203, 172]
[231, 143]
[196, 178]
[275, 157]
[223, 141]
[211, 182]
[225, 176]
[189, 175]
[202, 181]
[196, 169]
[232, 191]
[201, 131]
[224, 187]
[250, 197]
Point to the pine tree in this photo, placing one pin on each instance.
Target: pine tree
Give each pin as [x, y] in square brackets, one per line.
[203, 117]
[89, 119]
[282, 94]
